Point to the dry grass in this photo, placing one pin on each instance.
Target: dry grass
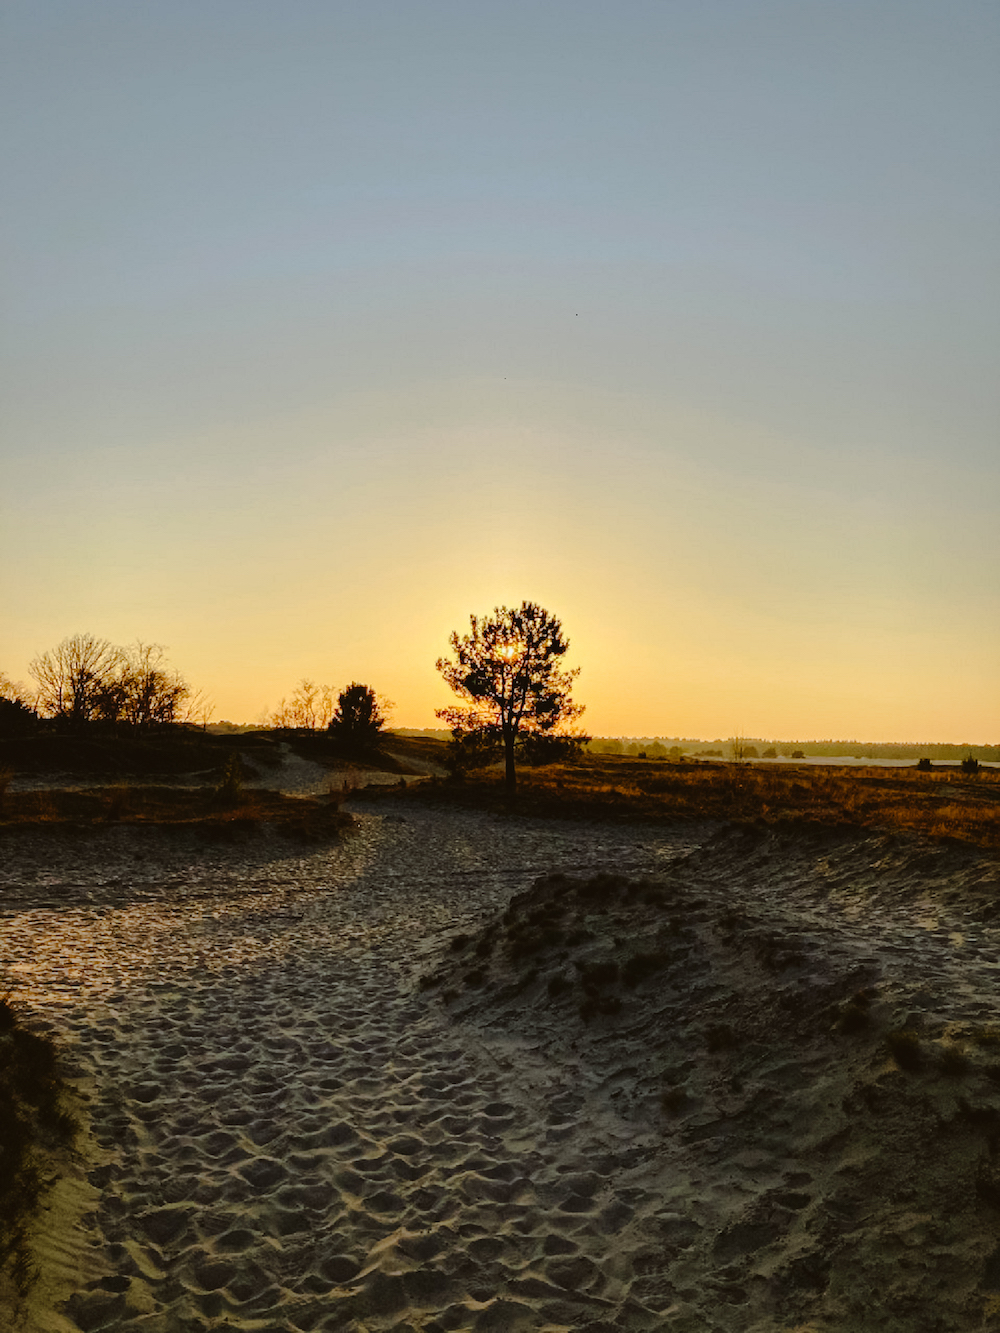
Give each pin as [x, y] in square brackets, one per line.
[196, 810]
[943, 803]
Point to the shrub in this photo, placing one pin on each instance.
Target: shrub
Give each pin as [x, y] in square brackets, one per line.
[673, 1100]
[599, 1004]
[537, 749]
[720, 1037]
[954, 1060]
[598, 974]
[16, 718]
[904, 1047]
[854, 1015]
[118, 800]
[970, 764]
[359, 719]
[642, 965]
[230, 789]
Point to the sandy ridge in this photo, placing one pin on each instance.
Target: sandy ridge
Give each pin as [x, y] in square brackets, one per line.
[293, 1136]
[294, 1139]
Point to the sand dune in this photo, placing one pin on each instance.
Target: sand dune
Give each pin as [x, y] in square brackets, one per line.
[292, 1132]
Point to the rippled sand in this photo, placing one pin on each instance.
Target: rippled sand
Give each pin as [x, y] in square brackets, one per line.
[289, 1135]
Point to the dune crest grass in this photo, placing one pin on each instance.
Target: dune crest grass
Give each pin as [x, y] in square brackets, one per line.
[226, 810]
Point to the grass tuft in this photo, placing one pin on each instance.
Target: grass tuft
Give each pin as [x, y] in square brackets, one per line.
[673, 1100]
[720, 1037]
[954, 1061]
[904, 1047]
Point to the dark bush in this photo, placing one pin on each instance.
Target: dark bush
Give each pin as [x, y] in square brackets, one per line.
[904, 1046]
[598, 974]
[16, 718]
[642, 965]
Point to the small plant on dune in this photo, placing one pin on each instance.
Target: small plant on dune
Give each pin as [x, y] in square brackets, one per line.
[904, 1047]
[673, 1100]
[230, 789]
[602, 973]
[643, 965]
[855, 1015]
[720, 1037]
[970, 765]
[339, 792]
[118, 801]
[954, 1060]
[609, 1005]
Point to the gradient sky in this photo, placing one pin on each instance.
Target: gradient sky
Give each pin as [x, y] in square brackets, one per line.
[327, 324]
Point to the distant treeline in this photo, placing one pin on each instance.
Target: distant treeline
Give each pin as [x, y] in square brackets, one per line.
[672, 747]
[659, 747]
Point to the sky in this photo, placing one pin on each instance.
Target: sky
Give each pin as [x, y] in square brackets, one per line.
[326, 325]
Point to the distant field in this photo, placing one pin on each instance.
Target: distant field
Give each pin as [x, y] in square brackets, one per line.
[943, 802]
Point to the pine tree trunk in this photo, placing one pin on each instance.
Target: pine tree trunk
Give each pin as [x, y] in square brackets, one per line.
[510, 774]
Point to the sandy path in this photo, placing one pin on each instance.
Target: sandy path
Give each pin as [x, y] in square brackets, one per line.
[293, 1137]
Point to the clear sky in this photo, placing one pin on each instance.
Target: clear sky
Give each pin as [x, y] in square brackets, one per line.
[328, 323]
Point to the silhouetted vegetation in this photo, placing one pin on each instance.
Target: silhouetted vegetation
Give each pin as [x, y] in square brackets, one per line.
[86, 681]
[35, 1123]
[358, 720]
[507, 668]
[309, 709]
[17, 718]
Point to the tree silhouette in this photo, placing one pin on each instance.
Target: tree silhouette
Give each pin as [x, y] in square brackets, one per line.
[86, 680]
[508, 668]
[75, 677]
[359, 718]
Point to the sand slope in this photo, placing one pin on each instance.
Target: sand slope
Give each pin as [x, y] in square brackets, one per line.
[293, 1134]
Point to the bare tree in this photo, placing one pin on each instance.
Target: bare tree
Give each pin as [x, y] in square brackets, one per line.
[74, 677]
[198, 709]
[150, 693]
[311, 707]
[16, 691]
[508, 668]
[86, 679]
